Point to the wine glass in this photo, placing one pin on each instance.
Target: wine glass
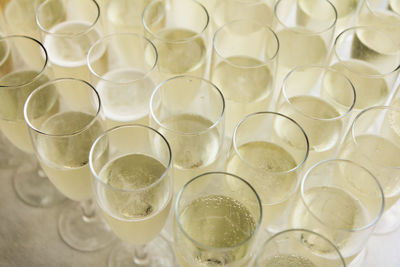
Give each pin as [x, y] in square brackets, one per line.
[321, 100]
[68, 29]
[189, 112]
[369, 57]
[63, 127]
[305, 31]
[269, 150]
[19, 76]
[126, 80]
[134, 190]
[289, 248]
[216, 224]
[374, 142]
[245, 72]
[179, 31]
[342, 201]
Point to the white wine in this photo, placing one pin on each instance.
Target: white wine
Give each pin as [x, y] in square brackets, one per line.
[12, 102]
[317, 118]
[65, 158]
[266, 166]
[180, 51]
[125, 101]
[335, 208]
[68, 54]
[395, 6]
[380, 156]
[299, 47]
[195, 147]
[246, 84]
[369, 91]
[214, 221]
[5, 59]
[136, 217]
[287, 260]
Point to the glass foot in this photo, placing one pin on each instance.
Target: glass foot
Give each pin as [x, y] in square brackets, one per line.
[83, 233]
[34, 188]
[157, 252]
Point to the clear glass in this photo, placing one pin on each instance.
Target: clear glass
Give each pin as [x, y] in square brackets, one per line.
[217, 217]
[290, 248]
[189, 112]
[320, 99]
[373, 141]
[269, 151]
[244, 72]
[20, 74]
[347, 11]
[68, 28]
[65, 118]
[369, 57]
[124, 77]
[305, 31]
[131, 167]
[342, 201]
[179, 31]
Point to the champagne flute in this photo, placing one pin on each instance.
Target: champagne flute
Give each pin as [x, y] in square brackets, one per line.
[305, 31]
[133, 188]
[62, 142]
[245, 72]
[320, 99]
[289, 249]
[271, 162]
[19, 76]
[67, 33]
[179, 30]
[214, 223]
[189, 112]
[374, 141]
[126, 80]
[369, 57]
[342, 201]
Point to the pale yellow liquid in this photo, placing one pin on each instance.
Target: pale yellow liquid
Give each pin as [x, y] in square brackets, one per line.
[193, 153]
[127, 102]
[65, 160]
[395, 6]
[339, 211]
[380, 156]
[297, 49]
[136, 217]
[260, 163]
[180, 52]
[67, 55]
[286, 260]
[313, 115]
[369, 91]
[12, 102]
[246, 88]
[215, 221]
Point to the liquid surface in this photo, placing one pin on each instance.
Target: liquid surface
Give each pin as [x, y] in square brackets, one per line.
[287, 261]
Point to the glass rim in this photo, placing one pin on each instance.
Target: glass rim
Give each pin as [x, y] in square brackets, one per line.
[51, 82]
[179, 196]
[110, 36]
[342, 61]
[264, 63]
[156, 35]
[42, 70]
[117, 128]
[235, 146]
[299, 230]
[202, 80]
[91, 25]
[330, 27]
[374, 10]
[325, 68]
[371, 223]
[360, 114]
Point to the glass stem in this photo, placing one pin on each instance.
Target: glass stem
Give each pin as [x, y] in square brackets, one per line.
[140, 256]
[88, 209]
